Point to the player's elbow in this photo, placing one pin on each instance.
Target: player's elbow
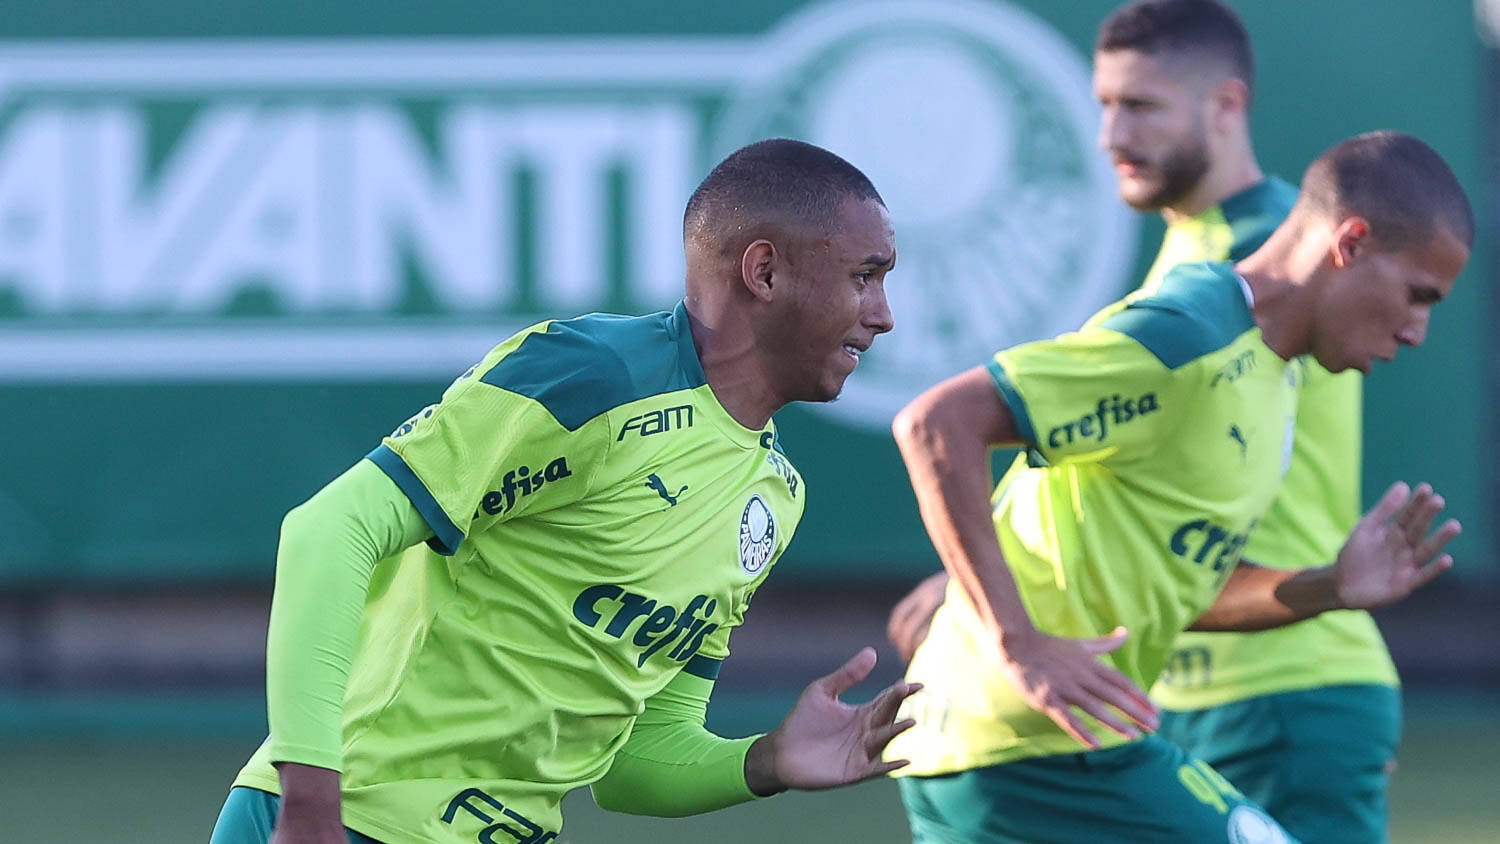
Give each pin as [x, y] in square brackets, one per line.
[297, 520]
[913, 424]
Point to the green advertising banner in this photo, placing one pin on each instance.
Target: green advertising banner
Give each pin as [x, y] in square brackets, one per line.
[236, 249]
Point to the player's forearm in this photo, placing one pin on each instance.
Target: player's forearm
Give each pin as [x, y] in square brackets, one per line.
[328, 549]
[308, 789]
[947, 457]
[1259, 598]
[675, 772]
[671, 766]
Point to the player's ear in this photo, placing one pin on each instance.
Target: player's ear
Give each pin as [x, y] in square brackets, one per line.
[1351, 238]
[757, 269]
[1231, 100]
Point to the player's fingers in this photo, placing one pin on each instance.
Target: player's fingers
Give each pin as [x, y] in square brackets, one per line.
[1106, 716]
[1389, 504]
[885, 768]
[1422, 514]
[1430, 572]
[1063, 716]
[846, 676]
[1106, 644]
[883, 709]
[1127, 697]
[1432, 544]
[877, 739]
[1419, 495]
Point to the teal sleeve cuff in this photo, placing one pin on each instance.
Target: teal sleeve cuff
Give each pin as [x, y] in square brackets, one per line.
[447, 536]
[1012, 398]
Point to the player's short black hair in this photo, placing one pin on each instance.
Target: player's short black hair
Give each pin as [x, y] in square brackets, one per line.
[1400, 185]
[775, 180]
[1201, 27]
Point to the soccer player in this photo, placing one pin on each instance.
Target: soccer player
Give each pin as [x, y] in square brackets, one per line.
[1156, 439]
[529, 586]
[1303, 719]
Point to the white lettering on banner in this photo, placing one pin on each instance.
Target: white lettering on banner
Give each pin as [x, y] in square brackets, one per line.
[318, 204]
[261, 209]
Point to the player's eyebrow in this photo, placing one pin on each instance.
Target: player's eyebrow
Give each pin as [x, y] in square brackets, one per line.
[878, 260]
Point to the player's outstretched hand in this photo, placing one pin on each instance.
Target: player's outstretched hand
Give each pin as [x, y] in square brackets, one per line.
[1393, 551]
[1054, 675]
[824, 742]
[912, 615]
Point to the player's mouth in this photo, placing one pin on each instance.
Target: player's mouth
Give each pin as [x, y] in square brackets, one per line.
[854, 350]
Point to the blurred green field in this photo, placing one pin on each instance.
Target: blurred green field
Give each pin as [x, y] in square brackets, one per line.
[134, 792]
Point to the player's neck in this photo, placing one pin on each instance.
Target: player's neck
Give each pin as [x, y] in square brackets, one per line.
[732, 365]
[1229, 175]
[1280, 308]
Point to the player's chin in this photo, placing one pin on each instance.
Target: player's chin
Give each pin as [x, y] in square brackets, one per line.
[1140, 194]
[1363, 367]
[830, 386]
[827, 391]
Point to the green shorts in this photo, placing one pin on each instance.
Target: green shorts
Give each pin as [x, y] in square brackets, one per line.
[249, 815]
[1317, 760]
[1146, 791]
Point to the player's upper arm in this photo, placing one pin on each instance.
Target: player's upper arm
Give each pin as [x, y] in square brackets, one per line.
[969, 402]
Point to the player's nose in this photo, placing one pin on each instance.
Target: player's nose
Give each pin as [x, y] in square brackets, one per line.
[1114, 130]
[1414, 333]
[879, 317]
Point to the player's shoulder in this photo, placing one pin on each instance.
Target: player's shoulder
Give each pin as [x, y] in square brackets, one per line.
[1198, 309]
[1255, 212]
[583, 367]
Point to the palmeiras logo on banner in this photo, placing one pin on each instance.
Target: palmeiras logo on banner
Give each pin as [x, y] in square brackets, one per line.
[264, 210]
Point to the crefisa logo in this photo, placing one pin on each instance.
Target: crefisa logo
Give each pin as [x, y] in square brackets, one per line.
[757, 535]
[274, 210]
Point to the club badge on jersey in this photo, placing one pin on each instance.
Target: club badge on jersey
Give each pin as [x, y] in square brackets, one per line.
[757, 535]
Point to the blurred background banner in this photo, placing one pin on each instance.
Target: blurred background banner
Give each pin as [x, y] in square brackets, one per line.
[235, 251]
[240, 242]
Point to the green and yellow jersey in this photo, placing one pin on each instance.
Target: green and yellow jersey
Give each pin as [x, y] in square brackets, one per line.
[1158, 437]
[599, 524]
[1310, 519]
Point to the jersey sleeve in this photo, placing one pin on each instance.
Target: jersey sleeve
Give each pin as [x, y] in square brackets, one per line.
[329, 549]
[1099, 392]
[671, 766]
[495, 448]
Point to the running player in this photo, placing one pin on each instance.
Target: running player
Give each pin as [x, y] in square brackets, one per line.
[1157, 437]
[529, 586]
[1303, 719]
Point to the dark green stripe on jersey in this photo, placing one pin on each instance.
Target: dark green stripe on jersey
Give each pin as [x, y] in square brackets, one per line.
[446, 536]
[1199, 309]
[705, 667]
[1013, 400]
[1255, 212]
[582, 367]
